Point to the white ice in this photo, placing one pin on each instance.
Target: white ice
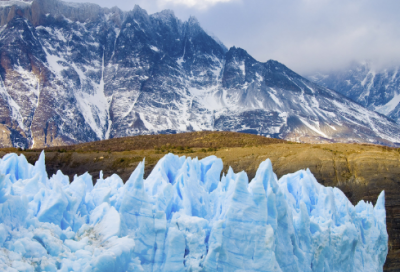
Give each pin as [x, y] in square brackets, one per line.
[183, 217]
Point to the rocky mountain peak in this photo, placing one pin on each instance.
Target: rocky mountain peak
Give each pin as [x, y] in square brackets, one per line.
[76, 12]
[192, 21]
[237, 53]
[139, 13]
[165, 15]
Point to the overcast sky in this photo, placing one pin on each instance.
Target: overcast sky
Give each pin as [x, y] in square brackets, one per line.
[305, 35]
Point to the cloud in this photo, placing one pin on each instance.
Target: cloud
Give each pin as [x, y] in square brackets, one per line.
[310, 35]
[305, 35]
[202, 4]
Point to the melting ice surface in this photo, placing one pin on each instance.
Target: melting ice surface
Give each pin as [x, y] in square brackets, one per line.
[183, 217]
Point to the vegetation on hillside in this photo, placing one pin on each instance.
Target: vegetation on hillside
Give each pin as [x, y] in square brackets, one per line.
[178, 142]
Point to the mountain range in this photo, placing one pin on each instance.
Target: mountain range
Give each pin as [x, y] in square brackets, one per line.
[72, 73]
[376, 88]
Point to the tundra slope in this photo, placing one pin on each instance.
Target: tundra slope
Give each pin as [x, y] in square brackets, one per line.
[73, 73]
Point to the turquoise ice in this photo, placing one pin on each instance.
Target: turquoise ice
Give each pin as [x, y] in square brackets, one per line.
[183, 217]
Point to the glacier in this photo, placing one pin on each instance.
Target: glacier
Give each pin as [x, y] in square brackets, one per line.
[185, 216]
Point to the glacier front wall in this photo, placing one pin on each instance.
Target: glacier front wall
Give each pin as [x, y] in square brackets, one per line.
[183, 217]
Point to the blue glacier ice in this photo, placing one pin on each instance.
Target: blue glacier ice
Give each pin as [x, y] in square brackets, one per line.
[183, 217]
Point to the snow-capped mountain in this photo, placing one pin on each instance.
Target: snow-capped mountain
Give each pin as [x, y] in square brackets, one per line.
[72, 73]
[376, 89]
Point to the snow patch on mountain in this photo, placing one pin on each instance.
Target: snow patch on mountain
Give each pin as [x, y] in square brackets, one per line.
[389, 106]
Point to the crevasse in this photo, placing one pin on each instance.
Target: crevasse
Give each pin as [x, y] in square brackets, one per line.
[183, 217]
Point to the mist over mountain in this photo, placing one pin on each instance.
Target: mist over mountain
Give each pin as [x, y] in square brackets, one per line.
[74, 73]
[373, 87]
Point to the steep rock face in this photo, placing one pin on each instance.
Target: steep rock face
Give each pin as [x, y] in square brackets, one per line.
[375, 89]
[42, 106]
[72, 73]
[289, 106]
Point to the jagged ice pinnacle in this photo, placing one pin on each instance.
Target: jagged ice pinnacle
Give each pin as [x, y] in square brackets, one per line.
[183, 217]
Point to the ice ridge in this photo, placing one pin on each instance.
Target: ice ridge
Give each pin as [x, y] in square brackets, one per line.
[183, 217]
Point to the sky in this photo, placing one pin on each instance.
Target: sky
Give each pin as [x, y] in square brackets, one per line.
[307, 36]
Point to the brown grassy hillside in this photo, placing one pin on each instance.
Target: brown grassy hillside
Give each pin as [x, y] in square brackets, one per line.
[200, 139]
[360, 171]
